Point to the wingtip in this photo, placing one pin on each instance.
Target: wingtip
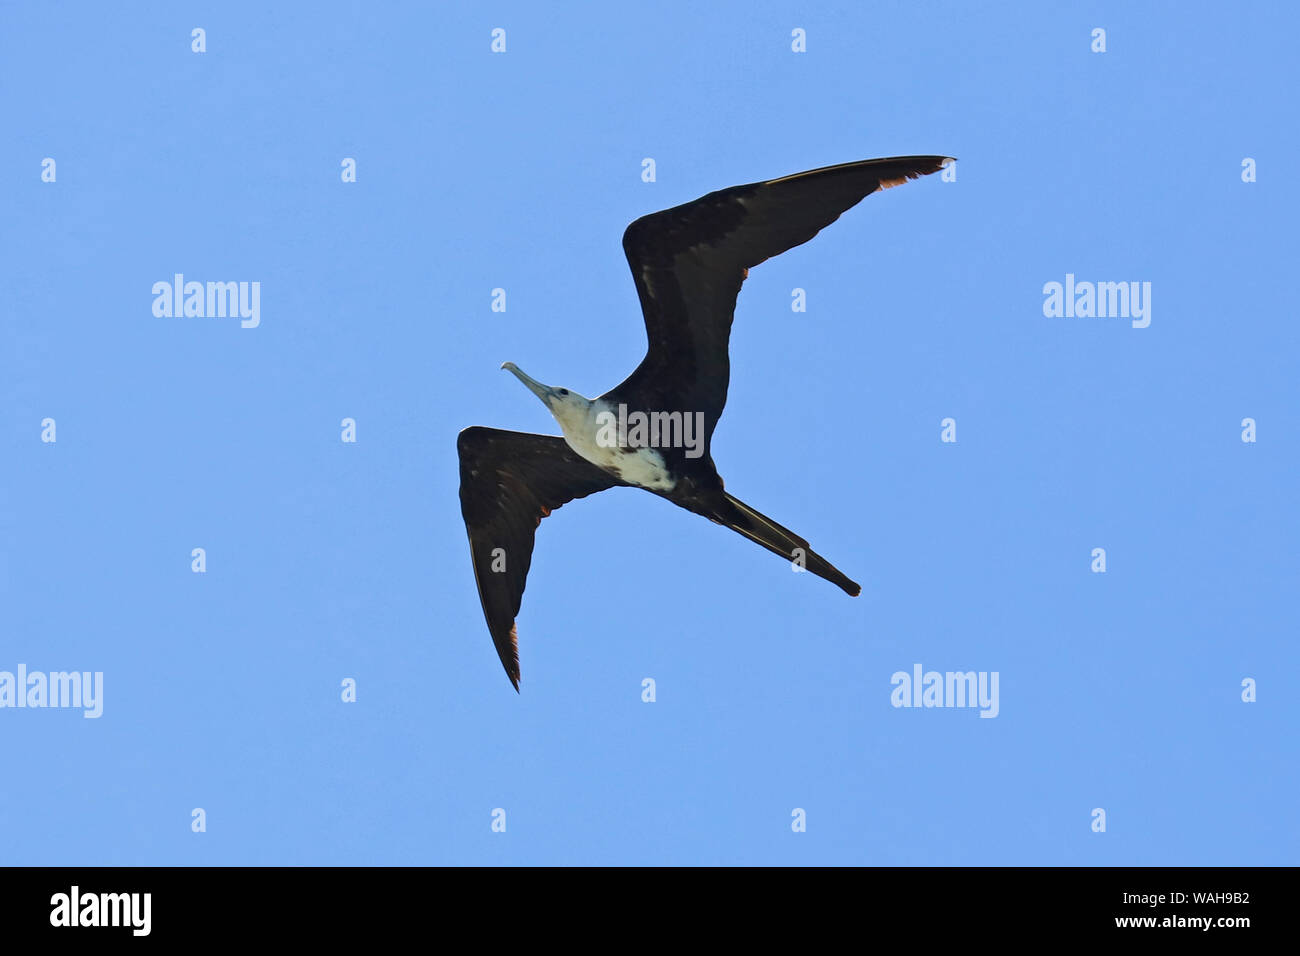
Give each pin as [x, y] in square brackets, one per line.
[510, 655]
[919, 166]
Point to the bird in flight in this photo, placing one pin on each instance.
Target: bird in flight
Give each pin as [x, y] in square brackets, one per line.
[654, 430]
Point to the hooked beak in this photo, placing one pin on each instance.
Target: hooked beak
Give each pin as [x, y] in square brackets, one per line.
[537, 388]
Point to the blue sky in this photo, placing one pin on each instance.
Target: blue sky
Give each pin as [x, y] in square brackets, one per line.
[328, 560]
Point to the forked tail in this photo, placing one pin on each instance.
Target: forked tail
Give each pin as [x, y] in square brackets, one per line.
[759, 528]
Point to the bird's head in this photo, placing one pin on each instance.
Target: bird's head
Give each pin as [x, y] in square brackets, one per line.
[568, 407]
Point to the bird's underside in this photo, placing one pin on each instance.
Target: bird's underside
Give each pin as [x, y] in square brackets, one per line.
[688, 263]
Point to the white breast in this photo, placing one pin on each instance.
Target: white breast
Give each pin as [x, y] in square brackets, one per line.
[644, 467]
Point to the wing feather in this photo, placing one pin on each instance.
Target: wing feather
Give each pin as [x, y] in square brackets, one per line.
[689, 262]
[509, 482]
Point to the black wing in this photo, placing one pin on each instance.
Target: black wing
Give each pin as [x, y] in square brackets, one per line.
[689, 262]
[509, 482]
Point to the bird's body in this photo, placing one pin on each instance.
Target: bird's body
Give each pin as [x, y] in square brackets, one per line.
[654, 430]
[582, 422]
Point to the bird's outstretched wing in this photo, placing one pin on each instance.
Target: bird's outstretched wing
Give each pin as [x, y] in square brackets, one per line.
[509, 482]
[689, 263]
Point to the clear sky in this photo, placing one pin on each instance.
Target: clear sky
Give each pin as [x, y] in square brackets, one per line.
[329, 560]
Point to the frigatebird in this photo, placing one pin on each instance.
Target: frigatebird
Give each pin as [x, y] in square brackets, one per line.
[654, 430]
